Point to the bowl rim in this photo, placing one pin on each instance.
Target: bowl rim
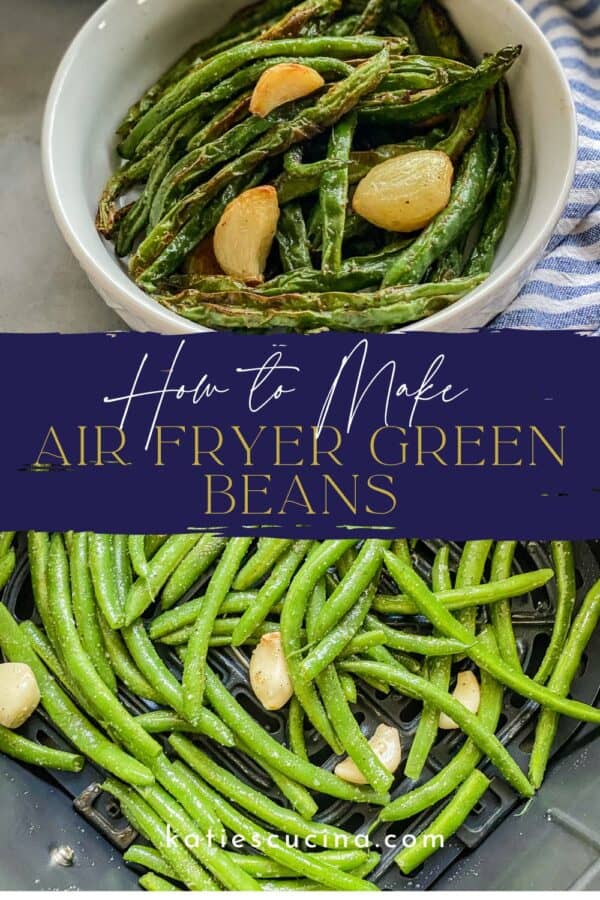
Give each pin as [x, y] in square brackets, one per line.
[132, 298]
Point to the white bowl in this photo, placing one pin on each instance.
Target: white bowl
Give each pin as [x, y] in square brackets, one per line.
[127, 44]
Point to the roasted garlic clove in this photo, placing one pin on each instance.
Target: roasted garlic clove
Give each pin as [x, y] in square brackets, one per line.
[468, 693]
[19, 694]
[385, 743]
[269, 674]
[281, 84]
[244, 236]
[405, 193]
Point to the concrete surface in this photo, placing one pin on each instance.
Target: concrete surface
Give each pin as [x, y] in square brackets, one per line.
[42, 287]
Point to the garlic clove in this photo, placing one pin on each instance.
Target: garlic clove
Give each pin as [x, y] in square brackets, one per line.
[467, 692]
[405, 193]
[244, 236]
[281, 84]
[19, 694]
[269, 674]
[385, 743]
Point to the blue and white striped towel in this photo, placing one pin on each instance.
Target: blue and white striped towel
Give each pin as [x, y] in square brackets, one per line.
[564, 291]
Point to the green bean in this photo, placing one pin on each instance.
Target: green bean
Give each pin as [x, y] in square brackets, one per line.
[294, 248]
[500, 202]
[470, 573]
[254, 802]
[349, 732]
[335, 641]
[45, 651]
[107, 707]
[123, 665]
[566, 595]
[85, 610]
[362, 572]
[143, 818]
[38, 545]
[175, 619]
[438, 672]
[221, 634]
[259, 565]
[466, 126]
[342, 567]
[296, 21]
[454, 599]
[170, 240]
[370, 17]
[436, 33]
[446, 823]
[296, 794]
[160, 721]
[107, 216]
[393, 108]
[150, 858]
[152, 668]
[392, 307]
[216, 69]
[18, 747]
[137, 554]
[500, 612]
[218, 588]
[181, 786]
[344, 27]
[7, 567]
[229, 115]
[295, 724]
[566, 669]
[364, 641]
[166, 559]
[292, 162]
[348, 686]
[304, 864]
[420, 689]
[6, 540]
[152, 882]
[192, 566]
[292, 616]
[333, 196]
[153, 543]
[102, 566]
[424, 645]
[462, 763]
[63, 712]
[210, 855]
[265, 746]
[448, 226]
[445, 622]
[346, 860]
[397, 26]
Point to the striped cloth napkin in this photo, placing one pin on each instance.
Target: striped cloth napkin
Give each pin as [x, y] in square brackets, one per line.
[564, 291]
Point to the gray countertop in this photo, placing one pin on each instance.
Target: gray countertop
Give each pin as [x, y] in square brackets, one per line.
[42, 287]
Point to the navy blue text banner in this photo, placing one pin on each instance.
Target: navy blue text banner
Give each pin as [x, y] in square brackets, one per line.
[457, 436]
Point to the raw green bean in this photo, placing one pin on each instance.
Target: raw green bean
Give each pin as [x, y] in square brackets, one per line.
[160, 721]
[335, 641]
[218, 588]
[566, 595]
[438, 672]
[150, 858]
[349, 732]
[566, 669]
[333, 196]
[446, 823]
[423, 645]
[470, 573]
[295, 724]
[152, 827]
[445, 622]
[18, 747]
[364, 641]
[263, 745]
[175, 619]
[192, 566]
[449, 225]
[123, 665]
[152, 882]
[85, 610]
[294, 608]
[38, 545]
[145, 590]
[137, 554]
[363, 571]
[102, 566]
[500, 612]
[45, 651]
[500, 203]
[7, 567]
[169, 241]
[153, 669]
[462, 764]
[454, 599]
[153, 543]
[296, 794]
[349, 686]
[294, 248]
[63, 712]
[304, 864]
[259, 565]
[110, 712]
[421, 689]
[181, 787]
[393, 108]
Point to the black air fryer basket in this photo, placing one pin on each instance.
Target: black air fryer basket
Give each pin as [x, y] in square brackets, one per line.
[41, 812]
